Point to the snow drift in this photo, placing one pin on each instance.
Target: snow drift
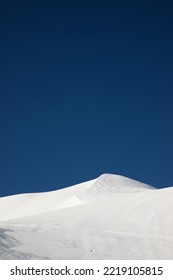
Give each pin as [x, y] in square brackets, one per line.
[111, 217]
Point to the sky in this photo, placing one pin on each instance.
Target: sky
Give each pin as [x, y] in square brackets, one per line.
[85, 88]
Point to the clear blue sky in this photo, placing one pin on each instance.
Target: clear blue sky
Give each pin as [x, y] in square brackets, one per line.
[86, 88]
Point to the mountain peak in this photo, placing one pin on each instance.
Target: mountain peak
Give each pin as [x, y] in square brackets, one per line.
[120, 183]
[111, 184]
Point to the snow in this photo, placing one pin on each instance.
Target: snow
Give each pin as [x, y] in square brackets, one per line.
[111, 217]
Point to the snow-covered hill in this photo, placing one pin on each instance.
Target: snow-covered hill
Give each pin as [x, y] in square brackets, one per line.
[111, 217]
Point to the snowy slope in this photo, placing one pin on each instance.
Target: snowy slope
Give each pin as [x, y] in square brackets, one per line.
[111, 217]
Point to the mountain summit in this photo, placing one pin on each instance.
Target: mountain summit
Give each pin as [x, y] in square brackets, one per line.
[110, 217]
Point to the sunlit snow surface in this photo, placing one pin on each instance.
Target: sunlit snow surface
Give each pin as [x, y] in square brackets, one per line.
[111, 217]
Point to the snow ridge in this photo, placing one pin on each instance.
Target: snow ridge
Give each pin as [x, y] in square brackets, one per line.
[110, 217]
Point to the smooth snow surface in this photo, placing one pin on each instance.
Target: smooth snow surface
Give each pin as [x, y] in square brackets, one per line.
[111, 217]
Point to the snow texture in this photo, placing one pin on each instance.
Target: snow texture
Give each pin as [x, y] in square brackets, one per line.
[111, 217]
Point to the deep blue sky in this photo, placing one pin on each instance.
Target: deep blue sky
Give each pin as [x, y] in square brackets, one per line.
[86, 88]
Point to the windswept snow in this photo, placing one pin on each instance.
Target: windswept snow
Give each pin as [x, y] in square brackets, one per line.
[111, 217]
[17, 206]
